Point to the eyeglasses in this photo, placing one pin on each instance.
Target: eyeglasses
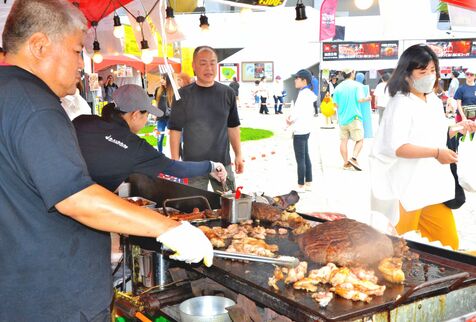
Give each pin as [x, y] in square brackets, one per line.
[470, 74]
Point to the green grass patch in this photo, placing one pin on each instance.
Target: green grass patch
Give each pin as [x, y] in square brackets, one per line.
[246, 134]
[249, 134]
[152, 140]
[147, 129]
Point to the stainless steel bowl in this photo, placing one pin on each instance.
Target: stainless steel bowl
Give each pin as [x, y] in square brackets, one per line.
[205, 309]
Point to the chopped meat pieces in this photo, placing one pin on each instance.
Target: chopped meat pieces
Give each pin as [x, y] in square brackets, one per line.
[323, 298]
[391, 269]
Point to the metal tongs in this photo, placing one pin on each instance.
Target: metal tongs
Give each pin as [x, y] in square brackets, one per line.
[286, 261]
[224, 186]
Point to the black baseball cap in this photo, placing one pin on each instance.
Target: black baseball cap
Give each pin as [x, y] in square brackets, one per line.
[304, 74]
[130, 98]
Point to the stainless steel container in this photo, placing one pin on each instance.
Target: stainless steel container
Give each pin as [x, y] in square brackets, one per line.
[205, 309]
[162, 274]
[146, 267]
[236, 210]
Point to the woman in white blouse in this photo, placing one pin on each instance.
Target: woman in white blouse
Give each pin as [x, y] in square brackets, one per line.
[410, 163]
[300, 118]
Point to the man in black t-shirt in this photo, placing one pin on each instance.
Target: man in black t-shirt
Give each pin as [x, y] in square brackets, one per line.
[54, 222]
[236, 88]
[207, 116]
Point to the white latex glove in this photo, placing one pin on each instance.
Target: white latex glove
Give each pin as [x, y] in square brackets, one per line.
[218, 171]
[189, 244]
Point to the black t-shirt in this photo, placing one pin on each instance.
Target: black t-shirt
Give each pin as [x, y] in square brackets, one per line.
[52, 268]
[204, 115]
[236, 87]
[112, 152]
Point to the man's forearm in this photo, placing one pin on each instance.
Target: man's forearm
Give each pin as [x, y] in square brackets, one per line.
[175, 138]
[235, 141]
[98, 208]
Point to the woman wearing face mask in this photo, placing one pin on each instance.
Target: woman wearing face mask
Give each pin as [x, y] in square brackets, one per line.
[410, 163]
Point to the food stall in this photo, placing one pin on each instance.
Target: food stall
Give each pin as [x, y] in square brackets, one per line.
[439, 284]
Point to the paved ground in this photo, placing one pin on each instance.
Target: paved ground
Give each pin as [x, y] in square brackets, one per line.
[270, 167]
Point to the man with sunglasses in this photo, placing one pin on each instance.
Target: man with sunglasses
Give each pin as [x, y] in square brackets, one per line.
[465, 97]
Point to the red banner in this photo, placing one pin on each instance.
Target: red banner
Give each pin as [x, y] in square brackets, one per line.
[328, 19]
[467, 4]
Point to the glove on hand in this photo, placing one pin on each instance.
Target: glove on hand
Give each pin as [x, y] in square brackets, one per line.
[218, 171]
[189, 244]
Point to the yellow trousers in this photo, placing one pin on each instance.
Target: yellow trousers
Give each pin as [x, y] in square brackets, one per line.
[435, 222]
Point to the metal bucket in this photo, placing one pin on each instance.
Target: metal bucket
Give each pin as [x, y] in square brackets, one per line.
[236, 210]
[205, 309]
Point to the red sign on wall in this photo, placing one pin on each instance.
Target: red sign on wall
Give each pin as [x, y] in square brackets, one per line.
[360, 50]
[454, 48]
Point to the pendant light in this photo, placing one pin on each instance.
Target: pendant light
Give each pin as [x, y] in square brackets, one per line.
[170, 23]
[118, 28]
[204, 25]
[97, 56]
[300, 11]
[146, 55]
[363, 4]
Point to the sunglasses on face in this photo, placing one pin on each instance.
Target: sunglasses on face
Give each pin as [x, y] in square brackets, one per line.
[469, 74]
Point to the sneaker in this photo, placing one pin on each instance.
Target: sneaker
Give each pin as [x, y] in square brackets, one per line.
[353, 162]
[300, 189]
[347, 166]
[308, 186]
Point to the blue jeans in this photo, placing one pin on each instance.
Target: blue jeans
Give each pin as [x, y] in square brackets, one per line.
[161, 125]
[278, 107]
[301, 151]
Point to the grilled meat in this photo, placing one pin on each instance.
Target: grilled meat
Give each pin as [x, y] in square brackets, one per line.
[265, 212]
[345, 242]
[391, 269]
[323, 298]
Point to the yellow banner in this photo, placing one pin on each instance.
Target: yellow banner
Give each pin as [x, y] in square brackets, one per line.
[130, 42]
[187, 56]
[169, 48]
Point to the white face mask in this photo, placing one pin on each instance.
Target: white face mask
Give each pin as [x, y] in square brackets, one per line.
[424, 84]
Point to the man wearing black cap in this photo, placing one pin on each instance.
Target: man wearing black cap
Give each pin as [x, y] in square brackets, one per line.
[113, 151]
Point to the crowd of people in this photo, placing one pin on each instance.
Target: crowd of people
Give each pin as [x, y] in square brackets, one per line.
[58, 176]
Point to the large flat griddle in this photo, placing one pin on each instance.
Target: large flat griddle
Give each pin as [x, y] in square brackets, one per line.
[454, 270]
[251, 279]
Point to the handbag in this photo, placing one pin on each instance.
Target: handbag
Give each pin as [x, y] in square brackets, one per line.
[466, 162]
[469, 111]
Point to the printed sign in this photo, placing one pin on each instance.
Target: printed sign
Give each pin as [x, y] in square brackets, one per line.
[93, 82]
[254, 3]
[454, 48]
[252, 71]
[228, 71]
[360, 50]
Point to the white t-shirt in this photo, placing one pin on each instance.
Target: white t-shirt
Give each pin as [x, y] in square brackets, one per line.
[278, 88]
[416, 183]
[381, 95]
[75, 105]
[302, 113]
[454, 84]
